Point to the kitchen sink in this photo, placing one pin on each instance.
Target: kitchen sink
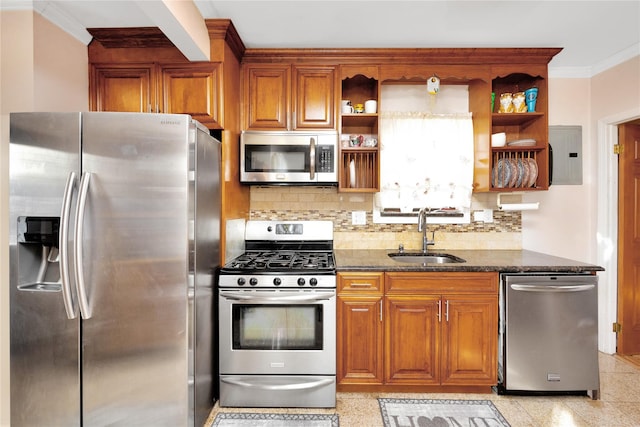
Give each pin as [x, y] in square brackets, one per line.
[422, 258]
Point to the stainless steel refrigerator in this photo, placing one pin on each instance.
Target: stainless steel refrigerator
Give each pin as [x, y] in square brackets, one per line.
[114, 242]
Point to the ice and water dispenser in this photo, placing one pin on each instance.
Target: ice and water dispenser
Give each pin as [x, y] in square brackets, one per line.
[38, 255]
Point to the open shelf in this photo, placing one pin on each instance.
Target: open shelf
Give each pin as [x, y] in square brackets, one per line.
[359, 167]
[527, 125]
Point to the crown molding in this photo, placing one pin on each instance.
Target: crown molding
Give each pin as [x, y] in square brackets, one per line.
[588, 72]
[53, 13]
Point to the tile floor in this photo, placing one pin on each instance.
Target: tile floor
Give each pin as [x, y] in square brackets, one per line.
[618, 406]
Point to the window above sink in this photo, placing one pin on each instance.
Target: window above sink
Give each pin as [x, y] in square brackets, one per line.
[426, 154]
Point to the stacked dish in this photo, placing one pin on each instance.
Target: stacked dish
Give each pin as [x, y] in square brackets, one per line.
[514, 173]
[522, 143]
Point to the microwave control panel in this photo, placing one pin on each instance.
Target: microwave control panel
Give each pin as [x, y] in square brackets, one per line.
[325, 158]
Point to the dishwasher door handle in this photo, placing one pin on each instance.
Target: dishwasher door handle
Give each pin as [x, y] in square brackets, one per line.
[552, 288]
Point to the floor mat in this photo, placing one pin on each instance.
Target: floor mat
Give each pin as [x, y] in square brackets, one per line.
[236, 419]
[440, 413]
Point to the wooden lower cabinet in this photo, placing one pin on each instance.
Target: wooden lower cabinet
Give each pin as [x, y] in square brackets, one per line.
[469, 341]
[442, 340]
[412, 340]
[360, 340]
[439, 329]
[360, 336]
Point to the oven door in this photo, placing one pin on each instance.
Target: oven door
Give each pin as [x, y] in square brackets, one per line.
[278, 331]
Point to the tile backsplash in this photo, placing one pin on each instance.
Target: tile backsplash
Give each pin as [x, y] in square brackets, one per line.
[326, 203]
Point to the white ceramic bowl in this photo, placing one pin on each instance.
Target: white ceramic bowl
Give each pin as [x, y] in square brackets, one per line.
[498, 139]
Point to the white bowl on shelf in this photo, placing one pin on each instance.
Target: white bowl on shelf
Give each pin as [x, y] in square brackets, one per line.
[498, 139]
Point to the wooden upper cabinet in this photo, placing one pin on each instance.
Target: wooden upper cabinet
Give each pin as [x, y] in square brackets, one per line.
[314, 97]
[123, 87]
[285, 97]
[267, 97]
[193, 89]
[189, 88]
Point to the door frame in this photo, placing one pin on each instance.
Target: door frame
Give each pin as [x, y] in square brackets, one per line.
[607, 225]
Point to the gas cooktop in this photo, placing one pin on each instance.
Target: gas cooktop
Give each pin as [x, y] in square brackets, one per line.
[282, 261]
[283, 254]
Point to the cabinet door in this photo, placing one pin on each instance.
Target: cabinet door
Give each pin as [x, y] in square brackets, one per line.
[359, 347]
[314, 97]
[193, 89]
[412, 331]
[124, 88]
[469, 352]
[267, 97]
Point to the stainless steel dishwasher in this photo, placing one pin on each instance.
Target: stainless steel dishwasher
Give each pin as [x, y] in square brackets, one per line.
[548, 334]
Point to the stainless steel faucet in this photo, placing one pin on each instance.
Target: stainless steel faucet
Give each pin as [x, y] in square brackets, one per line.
[422, 226]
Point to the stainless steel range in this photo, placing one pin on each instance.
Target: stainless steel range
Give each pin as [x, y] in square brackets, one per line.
[278, 317]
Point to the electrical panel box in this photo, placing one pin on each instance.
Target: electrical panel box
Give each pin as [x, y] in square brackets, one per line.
[566, 148]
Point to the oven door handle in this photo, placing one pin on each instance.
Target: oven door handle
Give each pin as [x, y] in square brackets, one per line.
[292, 297]
[306, 385]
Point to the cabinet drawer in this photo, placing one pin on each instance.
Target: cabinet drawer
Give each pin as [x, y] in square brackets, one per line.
[360, 283]
[412, 282]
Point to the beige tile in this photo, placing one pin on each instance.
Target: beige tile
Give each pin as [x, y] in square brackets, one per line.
[514, 413]
[547, 412]
[357, 412]
[600, 413]
[619, 404]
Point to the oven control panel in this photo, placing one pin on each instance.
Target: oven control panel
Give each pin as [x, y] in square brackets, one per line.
[276, 281]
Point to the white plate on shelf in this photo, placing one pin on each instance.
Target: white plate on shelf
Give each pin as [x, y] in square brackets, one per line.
[522, 143]
[352, 174]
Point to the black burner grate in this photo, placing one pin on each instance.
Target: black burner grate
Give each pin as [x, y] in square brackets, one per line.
[282, 261]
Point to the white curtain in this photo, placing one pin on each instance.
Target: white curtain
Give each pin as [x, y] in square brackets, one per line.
[426, 160]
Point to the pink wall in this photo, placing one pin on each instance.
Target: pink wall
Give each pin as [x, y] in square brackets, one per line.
[616, 90]
[42, 68]
[566, 224]
[558, 227]
[61, 76]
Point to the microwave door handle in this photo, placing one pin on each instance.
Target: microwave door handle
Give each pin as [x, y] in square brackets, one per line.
[312, 158]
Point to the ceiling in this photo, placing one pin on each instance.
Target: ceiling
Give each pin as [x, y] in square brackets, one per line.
[594, 35]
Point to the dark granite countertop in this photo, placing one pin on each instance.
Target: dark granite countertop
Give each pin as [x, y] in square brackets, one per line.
[476, 260]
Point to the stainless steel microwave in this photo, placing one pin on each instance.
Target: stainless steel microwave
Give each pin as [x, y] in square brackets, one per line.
[289, 157]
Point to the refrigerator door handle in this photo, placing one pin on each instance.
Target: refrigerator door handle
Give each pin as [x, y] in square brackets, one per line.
[83, 302]
[63, 244]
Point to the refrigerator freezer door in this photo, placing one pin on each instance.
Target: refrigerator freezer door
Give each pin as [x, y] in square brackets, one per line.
[45, 381]
[135, 263]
